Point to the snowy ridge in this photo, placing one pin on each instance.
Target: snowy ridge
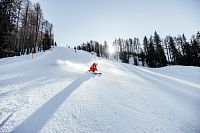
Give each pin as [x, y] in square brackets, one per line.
[172, 78]
[54, 93]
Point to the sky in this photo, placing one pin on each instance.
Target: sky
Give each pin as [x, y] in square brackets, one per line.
[78, 21]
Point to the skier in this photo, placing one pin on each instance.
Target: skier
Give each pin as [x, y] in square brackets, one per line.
[75, 49]
[33, 52]
[93, 67]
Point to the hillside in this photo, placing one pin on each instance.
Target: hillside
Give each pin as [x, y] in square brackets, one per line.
[54, 93]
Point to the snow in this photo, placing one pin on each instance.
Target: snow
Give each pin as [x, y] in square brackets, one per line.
[55, 93]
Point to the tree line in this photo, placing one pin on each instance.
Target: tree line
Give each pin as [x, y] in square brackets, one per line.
[23, 28]
[101, 50]
[153, 52]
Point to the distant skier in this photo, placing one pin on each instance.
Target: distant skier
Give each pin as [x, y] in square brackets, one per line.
[93, 67]
[75, 49]
[33, 52]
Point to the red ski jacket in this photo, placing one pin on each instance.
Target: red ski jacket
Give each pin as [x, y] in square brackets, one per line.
[93, 68]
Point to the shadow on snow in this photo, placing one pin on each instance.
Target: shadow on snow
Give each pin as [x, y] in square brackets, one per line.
[39, 118]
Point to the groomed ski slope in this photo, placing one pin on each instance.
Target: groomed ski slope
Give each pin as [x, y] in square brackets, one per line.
[54, 93]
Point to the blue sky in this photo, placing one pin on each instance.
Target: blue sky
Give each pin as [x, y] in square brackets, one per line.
[77, 21]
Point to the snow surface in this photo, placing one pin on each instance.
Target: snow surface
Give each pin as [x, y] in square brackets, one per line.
[55, 93]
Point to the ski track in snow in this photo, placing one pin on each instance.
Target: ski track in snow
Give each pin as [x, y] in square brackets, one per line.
[62, 97]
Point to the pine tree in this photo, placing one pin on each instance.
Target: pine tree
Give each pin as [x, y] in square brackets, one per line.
[105, 50]
[124, 57]
[142, 57]
[145, 44]
[46, 41]
[195, 53]
[89, 46]
[174, 51]
[160, 55]
[151, 56]
[187, 54]
[97, 49]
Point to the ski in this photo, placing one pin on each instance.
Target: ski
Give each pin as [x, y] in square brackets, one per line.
[95, 73]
